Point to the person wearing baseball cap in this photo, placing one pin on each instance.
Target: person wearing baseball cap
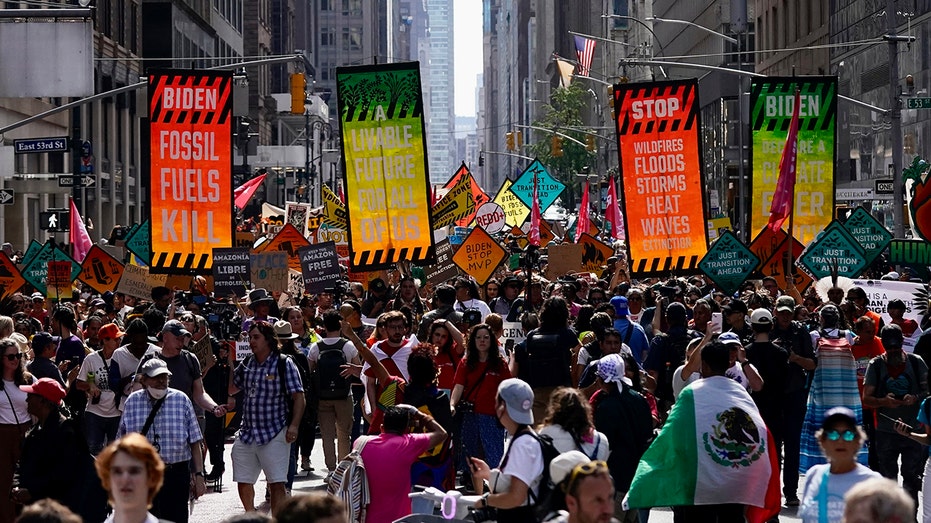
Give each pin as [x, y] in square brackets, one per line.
[100, 377]
[54, 453]
[518, 475]
[771, 363]
[741, 369]
[735, 318]
[44, 347]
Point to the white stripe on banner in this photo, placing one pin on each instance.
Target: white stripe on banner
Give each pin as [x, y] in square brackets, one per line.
[731, 438]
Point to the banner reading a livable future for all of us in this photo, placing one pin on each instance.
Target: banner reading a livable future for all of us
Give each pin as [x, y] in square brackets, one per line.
[385, 165]
[663, 190]
[771, 104]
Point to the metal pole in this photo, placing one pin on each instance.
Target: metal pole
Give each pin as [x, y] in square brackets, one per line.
[895, 116]
[742, 207]
[309, 192]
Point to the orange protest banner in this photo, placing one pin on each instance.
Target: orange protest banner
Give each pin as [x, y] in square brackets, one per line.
[100, 270]
[59, 280]
[663, 191]
[479, 255]
[478, 195]
[288, 240]
[190, 195]
[10, 278]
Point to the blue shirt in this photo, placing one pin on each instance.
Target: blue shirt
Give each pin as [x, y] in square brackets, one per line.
[638, 338]
[173, 429]
[265, 408]
[923, 417]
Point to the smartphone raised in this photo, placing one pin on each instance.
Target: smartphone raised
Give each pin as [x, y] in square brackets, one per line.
[717, 322]
[890, 418]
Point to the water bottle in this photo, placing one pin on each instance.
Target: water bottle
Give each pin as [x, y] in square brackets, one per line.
[92, 380]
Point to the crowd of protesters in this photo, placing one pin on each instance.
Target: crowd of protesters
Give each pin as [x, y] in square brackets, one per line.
[598, 368]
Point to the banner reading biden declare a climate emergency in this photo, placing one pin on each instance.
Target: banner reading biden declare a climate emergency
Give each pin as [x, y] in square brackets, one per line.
[381, 121]
[771, 103]
[663, 191]
[190, 161]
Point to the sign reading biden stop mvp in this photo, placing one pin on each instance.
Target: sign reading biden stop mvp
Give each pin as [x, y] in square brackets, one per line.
[659, 145]
[190, 195]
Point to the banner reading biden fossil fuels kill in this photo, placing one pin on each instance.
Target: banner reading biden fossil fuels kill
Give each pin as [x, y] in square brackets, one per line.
[190, 161]
[663, 191]
[384, 153]
[771, 103]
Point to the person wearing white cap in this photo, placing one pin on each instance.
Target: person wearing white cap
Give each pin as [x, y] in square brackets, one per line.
[165, 416]
[515, 482]
[624, 416]
[587, 486]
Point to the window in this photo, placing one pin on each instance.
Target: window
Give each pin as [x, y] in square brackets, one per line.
[352, 39]
[328, 38]
[326, 5]
[352, 7]
[620, 9]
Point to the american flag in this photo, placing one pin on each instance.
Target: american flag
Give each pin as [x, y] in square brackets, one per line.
[585, 51]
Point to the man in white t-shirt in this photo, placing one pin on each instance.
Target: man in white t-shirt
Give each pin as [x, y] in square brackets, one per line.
[334, 413]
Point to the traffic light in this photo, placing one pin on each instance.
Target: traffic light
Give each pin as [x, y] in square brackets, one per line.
[481, 160]
[590, 143]
[520, 139]
[609, 91]
[556, 146]
[509, 139]
[298, 87]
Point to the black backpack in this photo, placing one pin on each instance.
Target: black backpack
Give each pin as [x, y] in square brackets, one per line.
[546, 364]
[330, 384]
[548, 499]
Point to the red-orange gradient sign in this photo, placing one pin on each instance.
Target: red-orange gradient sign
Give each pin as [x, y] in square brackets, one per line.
[190, 189]
[663, 191]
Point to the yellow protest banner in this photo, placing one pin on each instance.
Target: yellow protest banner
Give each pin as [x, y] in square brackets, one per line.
[383, 133]
[334, 212]
[514, 209]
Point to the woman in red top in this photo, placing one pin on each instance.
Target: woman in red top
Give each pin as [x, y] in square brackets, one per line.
[450, 346]
[866, 345]
[476, 387]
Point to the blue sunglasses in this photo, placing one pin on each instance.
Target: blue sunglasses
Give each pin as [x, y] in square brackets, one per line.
[847, 435]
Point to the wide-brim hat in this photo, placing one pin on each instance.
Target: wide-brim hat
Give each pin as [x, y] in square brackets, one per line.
[283, 331]
[257, 296]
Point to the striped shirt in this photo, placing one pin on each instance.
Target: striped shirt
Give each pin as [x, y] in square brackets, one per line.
[173, 429]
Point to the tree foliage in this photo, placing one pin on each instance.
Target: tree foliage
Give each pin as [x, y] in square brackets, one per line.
[562, 114]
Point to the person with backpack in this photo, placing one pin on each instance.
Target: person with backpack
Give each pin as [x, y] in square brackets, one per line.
[515, 485]
[569, 423]
[335, 406]
[667, 353]
[632, 333]
[895, 384]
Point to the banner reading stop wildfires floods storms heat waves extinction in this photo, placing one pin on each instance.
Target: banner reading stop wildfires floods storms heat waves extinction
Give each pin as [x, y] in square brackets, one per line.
[771, 103]
[663, 188]
[190, 162]
[385, 165]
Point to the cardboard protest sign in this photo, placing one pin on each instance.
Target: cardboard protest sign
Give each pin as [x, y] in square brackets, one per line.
[320, 267]
[270, 270]
[138, 282]
[385, 164]
[659, 143]
[191, 191]
[563, 259]
[231, 271]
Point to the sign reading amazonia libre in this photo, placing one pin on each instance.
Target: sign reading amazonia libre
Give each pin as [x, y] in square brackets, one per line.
[771, 104]
[384, 153]
[190, 194]
[663, 191]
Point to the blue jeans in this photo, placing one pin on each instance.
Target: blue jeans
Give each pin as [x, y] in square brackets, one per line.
[99, 431]
[482, 437]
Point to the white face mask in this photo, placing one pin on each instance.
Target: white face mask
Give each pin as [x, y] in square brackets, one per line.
[157, 393]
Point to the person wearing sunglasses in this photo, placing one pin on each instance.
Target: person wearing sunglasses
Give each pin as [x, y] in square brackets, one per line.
[14, 420]
[825, 485]
[587, 486]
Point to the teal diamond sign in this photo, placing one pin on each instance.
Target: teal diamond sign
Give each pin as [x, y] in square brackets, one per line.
[548, 188]
[872, 236]
[728, 263]
[834, 247]
[36, 271]
[139, 242]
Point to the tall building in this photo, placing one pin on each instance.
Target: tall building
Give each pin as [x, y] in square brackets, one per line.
[439, 86]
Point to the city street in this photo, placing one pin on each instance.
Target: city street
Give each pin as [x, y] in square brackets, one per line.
[216, 506]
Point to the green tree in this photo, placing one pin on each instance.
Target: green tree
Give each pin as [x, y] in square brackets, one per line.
[563, 113]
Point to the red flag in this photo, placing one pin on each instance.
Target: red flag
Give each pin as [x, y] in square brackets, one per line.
[80, 241]
[534, 235]
[781, 208]
[613, 212]
[583, 223]
[244, 192]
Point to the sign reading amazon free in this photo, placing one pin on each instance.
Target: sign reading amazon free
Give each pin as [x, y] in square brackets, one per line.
[190, 162]
[381, 117]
